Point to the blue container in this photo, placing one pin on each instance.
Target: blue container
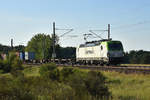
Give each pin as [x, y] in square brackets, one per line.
[22, 55]
[29, 55]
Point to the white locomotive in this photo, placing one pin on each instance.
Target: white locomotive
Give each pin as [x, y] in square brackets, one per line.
[100, 52]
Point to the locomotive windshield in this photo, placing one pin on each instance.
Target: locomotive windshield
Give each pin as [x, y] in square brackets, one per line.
[115, 45]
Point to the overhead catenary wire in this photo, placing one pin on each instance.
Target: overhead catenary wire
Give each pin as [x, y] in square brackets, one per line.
[94, 32]
[131, 25]
[68, 31]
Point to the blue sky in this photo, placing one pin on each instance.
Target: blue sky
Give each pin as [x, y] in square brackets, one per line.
[129, 19]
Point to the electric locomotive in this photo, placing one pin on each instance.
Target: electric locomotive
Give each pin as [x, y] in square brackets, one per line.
[100, 52]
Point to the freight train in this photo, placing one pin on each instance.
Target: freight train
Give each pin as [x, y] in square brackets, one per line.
[100, 52]
[95, 52]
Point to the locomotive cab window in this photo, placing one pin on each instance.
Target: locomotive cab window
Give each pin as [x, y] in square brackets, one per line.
[115, 45]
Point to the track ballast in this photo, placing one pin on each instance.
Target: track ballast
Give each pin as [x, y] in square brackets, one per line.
[120, 69]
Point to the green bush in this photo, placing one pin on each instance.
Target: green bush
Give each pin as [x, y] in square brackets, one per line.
[1, 64]
[11, 63]
[65, 73]
[34, 88]
[17, 64]
[52, 84]
[49, 71]
[96, 85]
[6, 66]
[16, 67]
[76, 81]
[15, 89]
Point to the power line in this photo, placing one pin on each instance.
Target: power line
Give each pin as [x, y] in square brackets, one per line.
[68, 31]
[131, 25]
[96, 34]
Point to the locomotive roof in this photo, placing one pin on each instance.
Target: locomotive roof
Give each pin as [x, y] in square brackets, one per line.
[95, 43]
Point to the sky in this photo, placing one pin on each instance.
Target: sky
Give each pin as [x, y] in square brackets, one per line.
[129, 20]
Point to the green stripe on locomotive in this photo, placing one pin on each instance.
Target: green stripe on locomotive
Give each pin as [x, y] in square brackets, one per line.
[113, 45]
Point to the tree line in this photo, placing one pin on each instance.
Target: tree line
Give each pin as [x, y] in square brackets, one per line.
[41, 44]
[6, 49]
[137, 57]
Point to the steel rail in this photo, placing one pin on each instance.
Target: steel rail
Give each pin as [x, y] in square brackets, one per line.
[120, 69]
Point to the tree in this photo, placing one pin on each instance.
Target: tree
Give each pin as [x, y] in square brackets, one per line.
[41, 44]
[19, 48]
[137, 57]
[4, 49]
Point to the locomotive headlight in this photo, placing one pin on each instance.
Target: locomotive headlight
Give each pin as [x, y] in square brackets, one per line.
[108, 54]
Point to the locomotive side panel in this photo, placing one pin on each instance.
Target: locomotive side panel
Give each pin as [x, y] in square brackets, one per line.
[98, 52]
[89, 53]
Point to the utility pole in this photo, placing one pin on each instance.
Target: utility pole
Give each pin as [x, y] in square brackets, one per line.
[12, 44]
[43, 47]
[108, 31]
[53, 36]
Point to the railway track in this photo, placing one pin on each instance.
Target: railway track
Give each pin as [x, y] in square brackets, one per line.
[120, 69]
[126, 70]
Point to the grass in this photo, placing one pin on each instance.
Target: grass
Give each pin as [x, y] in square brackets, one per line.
[6, 75]
[129, 87]
[123, 86]
[32, 71]
[135, 65]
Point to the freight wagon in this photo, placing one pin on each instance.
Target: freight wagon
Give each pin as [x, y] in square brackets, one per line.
[29, 56]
